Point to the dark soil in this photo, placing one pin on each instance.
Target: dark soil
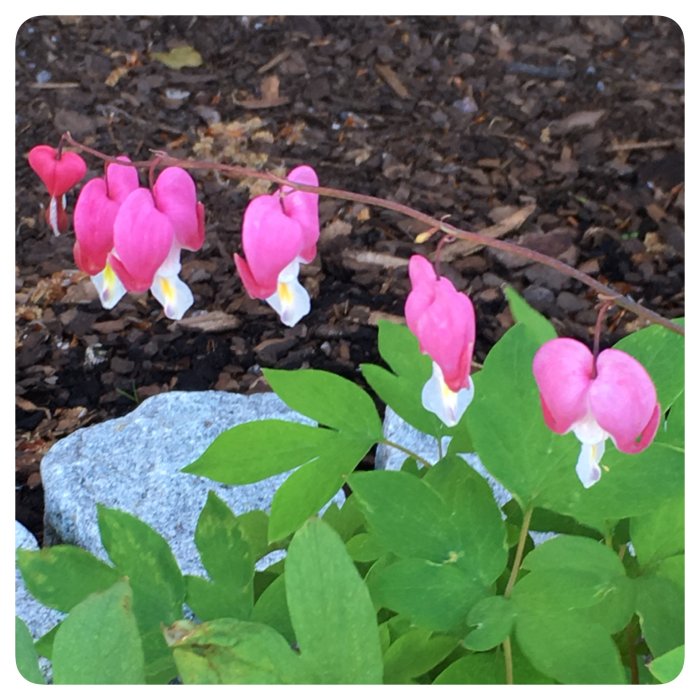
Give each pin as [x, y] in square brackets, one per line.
[579, 119]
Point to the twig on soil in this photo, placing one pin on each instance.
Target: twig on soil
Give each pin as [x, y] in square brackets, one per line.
[641, 145]
[238, 171]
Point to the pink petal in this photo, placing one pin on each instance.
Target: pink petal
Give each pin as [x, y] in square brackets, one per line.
[303, 208]
[121, 180]
[176, 197]
[93, 221]
[563, 369]
[271, 241]
[251, 286]
[623, 401]
[57, 175]
[422, 294]
[143, 237]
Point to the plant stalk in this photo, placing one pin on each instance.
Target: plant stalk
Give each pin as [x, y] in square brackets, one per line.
[405, 450]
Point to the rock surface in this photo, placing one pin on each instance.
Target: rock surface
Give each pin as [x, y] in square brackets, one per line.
[134, 464]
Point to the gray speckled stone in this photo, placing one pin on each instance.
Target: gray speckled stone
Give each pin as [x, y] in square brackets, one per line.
[397, 430]
[38, 618]
[134, 464]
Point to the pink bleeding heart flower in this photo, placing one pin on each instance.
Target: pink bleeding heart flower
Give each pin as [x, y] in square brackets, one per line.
[143, 237]
[59, 174]
[611, 396]
[443, 321]
[279, 232]
[93, 220]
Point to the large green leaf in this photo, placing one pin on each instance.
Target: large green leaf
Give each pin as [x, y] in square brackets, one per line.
[331, 609]
[434, 596]
[660, 533]
[347, 519]
[99, 642]
[660, 607]
[62, 576]
[254, 451]
[539, 327]
[668, 666]
[474, 512]
[569, 647]
[25, 654]
[414, 653]
[661, 351]
[329, 399]
[229, 651]
[408, 516]
[143, 555]
[309, 488]
[227, 557]
[271, 609]
[673, 432]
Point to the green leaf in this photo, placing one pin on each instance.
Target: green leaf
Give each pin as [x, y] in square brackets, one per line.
[506, 424]
[25, 654]
[179, 57]
[331, 609]
[474, 669]
[254, 451]
[309, 488]
[329, 399]
[347, 519]
[661, 351]
[668, 666]
[493, 618]
[271, 609]
[660, 533]
[415, 653]
[673, 569]
[539, 327]
[99, 643]
[674, 434]
[44, 645]
[475, 514]
[570, 648]
[227, 557]
[229, 651]
[660, 607]
[253, 526]
[62, 576]
[437, 597]
[364, 547]
[407, 516]
[143, 555]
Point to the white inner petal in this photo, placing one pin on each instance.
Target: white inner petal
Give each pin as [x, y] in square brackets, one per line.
[588, 431]
[291, 301]
[109, 287]
[449, 406]
[588, 465]
[173, 295]
[53, 216]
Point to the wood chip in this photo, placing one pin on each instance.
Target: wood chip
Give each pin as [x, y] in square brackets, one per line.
[376, 316]
[209, 322]
[510, 223]
[360, 259]
[387, 74]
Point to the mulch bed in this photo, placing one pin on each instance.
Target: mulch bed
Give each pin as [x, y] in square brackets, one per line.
[565, 132]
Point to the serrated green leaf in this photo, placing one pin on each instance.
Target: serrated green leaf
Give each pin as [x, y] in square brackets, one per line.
[475, 513]
[414, 653]
[570, 648]
[99, 641]
[63, 575]
[660, 533]
[254, 451]
[407, 515]
[660, 607]
[493, 618]
[437, 597]
[230, 651]
[144, 556]
[309, 488]
[668, 666]
[540, 328]
[329, 399]
[271, 609]
[25, 654]
[179, 57]
[331, 609]
[661, 352]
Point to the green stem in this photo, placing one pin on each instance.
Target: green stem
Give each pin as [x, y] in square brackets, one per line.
[522, 539]
[238, 171]
[405, 450]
